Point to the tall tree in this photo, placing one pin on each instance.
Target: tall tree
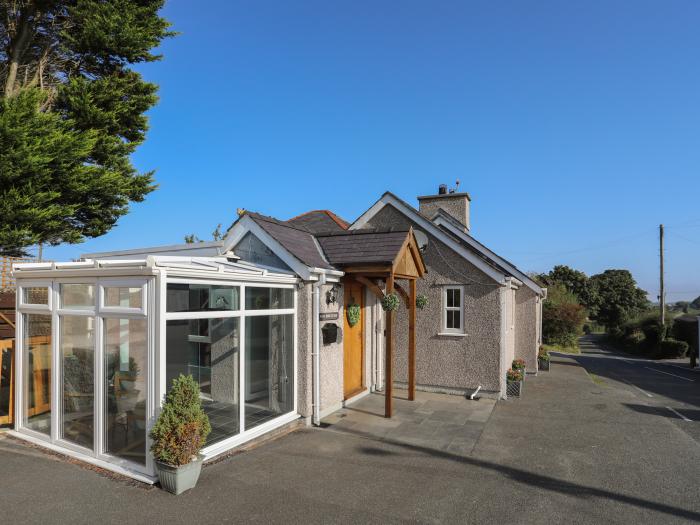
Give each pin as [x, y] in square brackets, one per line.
[575, 282]
[71, 113]
[619, 298]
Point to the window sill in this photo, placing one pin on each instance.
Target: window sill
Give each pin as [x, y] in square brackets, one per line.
[451, 334]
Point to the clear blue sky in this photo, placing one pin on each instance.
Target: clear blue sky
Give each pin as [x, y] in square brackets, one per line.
[575, 127]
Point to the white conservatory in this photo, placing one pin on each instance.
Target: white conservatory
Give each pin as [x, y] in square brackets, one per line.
[101, 341]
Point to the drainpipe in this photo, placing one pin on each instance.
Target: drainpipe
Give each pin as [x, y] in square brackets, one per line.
[316, 347]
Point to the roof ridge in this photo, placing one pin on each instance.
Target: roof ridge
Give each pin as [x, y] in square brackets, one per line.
[277, 221]
[335, 218]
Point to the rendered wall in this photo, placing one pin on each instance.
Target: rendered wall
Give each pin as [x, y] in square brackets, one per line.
[526, 322]
[448, 363]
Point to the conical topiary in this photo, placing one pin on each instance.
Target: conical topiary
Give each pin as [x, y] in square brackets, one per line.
[182, 427]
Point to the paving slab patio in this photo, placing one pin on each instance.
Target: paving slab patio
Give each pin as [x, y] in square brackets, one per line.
[439, 421]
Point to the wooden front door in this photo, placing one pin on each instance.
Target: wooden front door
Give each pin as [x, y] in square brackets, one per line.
[353, 340]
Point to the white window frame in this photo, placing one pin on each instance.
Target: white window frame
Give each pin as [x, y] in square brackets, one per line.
[97, 454]
[445, 309]
[243, 434]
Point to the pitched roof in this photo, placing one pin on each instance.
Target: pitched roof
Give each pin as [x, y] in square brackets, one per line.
[457, 235]
[362, 246]
[295, 239]
[319, 221]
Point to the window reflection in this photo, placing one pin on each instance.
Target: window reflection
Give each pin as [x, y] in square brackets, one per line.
[78, 377]
[269, 388]
[126, 362]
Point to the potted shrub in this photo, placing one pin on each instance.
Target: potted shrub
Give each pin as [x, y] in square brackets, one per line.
[514, 383]
[178, 435]
[519, 364]
[543, 359]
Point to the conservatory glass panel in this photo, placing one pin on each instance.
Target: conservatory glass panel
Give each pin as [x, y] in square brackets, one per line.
[208, 350]
[126, 363]
[258, 298]
[37, 372]
[77, 296]
[193, 297]
[123, 297]
[35, 295]
[269, 388]
[78, 379]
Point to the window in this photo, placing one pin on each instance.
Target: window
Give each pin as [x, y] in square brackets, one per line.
[35, 295]
[453, 310]
[37, 372]
[191, 297]
[208, 350]
[123, 297]
[269, 377]
[78, 296]
[126, 363]
[268, 298]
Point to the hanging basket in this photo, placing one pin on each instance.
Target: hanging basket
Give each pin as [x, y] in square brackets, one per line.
[390, 302]
[421, 301]
[353, 314]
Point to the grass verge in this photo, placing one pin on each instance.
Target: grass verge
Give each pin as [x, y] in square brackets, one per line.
[563, 349]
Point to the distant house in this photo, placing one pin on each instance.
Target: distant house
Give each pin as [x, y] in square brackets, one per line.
[280, 320]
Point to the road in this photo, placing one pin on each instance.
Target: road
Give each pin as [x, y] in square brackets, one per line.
[585, 444]
[668, 390]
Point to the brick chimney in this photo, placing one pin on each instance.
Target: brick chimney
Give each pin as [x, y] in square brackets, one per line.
[455, 204]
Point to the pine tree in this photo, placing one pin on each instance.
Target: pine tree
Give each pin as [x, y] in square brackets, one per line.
[71, 113]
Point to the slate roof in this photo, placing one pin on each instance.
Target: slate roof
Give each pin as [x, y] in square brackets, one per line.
[296, 240]
[362, 246]
[319, 221]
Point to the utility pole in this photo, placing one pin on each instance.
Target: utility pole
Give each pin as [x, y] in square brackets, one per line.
[662, 296]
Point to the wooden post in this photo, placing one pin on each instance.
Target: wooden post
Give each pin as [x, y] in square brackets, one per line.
[389, 351]
[412, 341]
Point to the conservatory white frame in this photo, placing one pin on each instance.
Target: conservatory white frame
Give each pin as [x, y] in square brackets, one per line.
[152, 274]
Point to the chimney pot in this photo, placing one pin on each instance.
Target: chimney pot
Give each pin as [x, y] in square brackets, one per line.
[442, 189]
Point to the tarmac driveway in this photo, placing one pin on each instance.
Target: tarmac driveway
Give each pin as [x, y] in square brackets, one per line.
[570, 451]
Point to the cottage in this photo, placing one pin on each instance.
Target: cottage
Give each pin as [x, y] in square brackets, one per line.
[280, 321]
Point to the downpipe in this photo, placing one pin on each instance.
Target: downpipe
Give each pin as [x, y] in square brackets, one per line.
[316, 350]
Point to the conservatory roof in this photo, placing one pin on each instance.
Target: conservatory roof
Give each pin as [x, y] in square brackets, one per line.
[212, 267]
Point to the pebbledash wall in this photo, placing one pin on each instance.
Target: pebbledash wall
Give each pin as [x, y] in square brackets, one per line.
[526, 322]
[449, 363]
[331, 354]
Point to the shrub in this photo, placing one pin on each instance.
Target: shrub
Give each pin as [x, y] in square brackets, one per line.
[654, 331]
[518, 364]
[543, 354]
[562, 323]
[421, 301]
[182, 427]
[671, 349]
[514, 375]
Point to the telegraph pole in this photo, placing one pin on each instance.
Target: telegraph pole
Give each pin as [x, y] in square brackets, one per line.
[662, 297]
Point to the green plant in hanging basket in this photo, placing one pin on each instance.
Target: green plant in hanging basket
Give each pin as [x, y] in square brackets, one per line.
[390, 302]
[421, 301]
[353, 314]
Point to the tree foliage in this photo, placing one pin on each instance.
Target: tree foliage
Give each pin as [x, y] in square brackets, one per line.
[575, 282]
[71, 113]
[562, 316]
[619, 298]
